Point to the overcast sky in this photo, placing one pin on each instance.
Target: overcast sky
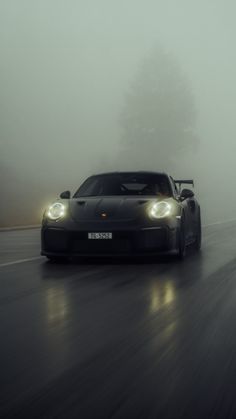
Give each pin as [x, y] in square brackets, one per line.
[66, 66]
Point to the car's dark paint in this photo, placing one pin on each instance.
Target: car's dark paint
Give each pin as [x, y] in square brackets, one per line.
[191, 211]
[127, 218]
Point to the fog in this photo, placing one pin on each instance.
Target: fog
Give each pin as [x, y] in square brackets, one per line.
[73, 71]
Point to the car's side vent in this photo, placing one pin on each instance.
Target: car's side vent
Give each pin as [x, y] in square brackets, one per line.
[81, 202]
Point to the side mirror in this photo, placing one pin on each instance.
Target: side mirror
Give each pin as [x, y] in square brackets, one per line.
[186, 193]
[65, 195]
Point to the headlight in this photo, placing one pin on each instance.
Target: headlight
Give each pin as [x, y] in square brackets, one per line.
[56, 211]
[160, 209]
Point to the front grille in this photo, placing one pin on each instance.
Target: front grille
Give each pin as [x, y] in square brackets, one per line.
[121, 242]
[58, 240]
[101, 246]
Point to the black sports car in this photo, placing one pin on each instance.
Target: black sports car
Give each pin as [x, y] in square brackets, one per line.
[123, 213]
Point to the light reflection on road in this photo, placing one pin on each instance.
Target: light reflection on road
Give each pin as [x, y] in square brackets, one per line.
[57, 306]
[162, 294]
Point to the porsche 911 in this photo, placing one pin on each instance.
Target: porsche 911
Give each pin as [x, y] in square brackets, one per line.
[123, 213]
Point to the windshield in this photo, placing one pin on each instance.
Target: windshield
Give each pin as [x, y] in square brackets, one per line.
[125, 184]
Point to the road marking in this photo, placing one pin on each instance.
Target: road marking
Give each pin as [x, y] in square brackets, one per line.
[17, 228]
[20, 261]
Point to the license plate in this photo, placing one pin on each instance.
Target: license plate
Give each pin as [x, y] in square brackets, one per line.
[100, 236]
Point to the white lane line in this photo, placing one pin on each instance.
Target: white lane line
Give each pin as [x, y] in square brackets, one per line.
[18, 228]
[20, 261]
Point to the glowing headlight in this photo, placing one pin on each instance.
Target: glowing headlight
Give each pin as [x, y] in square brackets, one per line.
[160, 210]
[56, 211]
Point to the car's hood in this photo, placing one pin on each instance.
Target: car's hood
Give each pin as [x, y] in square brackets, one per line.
[108, 208]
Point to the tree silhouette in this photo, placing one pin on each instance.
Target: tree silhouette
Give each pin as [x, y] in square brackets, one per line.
[158, 116]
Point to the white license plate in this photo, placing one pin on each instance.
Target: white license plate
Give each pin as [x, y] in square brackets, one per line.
[100, 236]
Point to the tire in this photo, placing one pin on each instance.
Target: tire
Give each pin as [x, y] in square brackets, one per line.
[198, 240]
[182, 241]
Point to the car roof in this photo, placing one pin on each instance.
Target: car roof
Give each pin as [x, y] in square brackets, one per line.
[135, 172]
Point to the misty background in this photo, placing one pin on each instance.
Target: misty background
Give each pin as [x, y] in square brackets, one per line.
[90, 86]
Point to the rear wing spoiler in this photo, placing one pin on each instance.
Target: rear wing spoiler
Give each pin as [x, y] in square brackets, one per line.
[185, 181]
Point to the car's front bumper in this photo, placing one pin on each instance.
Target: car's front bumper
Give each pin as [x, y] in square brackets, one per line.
[57, 241]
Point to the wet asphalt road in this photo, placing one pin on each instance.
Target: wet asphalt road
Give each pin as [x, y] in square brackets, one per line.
[147, 338]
